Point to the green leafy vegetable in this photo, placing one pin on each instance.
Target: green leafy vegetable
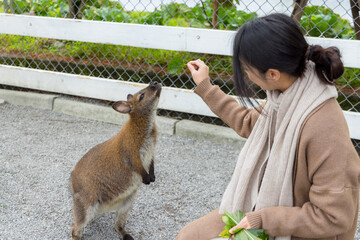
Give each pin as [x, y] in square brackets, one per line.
[232, 219]
[175, 65]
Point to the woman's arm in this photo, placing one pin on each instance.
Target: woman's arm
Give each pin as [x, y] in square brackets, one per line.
[238, 117]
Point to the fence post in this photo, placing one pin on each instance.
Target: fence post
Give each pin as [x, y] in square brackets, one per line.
[298, 11]
[355, 9]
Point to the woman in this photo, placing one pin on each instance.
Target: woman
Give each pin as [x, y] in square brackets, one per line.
[297, 176]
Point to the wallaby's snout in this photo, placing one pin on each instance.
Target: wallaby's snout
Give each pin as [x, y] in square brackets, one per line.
[108, 176]
[157, 87]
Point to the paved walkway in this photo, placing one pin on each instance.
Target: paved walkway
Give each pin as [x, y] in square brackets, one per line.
[39, 148]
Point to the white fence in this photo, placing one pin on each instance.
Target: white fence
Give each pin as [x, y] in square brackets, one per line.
[146, 36]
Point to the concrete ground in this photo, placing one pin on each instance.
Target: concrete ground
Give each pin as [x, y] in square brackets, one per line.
[40, 146]
[39, 149]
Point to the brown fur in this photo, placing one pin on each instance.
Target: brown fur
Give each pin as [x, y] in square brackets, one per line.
[107, 177]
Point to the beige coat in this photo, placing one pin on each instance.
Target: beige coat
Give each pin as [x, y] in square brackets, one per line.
[326, 171]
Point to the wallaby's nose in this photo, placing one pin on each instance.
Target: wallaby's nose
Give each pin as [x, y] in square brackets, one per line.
[154, 85]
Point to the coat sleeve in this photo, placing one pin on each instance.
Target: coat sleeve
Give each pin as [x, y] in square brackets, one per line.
[333, 169]
[236, 116]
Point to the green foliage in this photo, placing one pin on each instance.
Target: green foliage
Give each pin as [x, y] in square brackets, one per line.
[172, 14]
[321, 21]
[232, 19]
[107, 14]
[21, 6]
[175, 65]
[232, 219]
[351, 77]
[51, 8]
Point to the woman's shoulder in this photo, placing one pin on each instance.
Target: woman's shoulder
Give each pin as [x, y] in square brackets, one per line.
[325, 133]
[326, 119]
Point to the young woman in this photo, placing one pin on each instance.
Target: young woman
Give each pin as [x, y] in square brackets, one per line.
[297, 176]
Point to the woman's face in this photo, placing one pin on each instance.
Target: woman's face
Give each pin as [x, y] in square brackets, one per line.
[273, 79]
[253, 75]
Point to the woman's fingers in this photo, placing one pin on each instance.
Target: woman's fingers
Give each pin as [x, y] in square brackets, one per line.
[244, 223]
[199, 70]
[198, 63]
[192, 67]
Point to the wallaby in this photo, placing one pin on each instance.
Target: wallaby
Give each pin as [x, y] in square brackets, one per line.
[108, 176]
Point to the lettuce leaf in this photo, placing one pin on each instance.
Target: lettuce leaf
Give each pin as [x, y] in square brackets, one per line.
[232, 219]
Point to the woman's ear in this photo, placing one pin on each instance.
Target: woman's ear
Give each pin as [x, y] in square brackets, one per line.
[273, 75]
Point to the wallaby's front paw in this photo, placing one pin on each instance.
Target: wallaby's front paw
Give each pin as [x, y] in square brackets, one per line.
[152, 178]
[146, 179]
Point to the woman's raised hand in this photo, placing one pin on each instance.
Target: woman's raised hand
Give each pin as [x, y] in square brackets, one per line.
[199, 71]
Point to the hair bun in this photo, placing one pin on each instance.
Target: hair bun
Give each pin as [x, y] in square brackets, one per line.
[327, 61]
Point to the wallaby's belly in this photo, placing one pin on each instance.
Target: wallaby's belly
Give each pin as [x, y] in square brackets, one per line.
[135, 180]
[121, 199]
[112, 185]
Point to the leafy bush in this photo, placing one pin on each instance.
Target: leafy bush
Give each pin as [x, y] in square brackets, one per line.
[319, 21]
[21, 6]
[107, 14]
[173, 14]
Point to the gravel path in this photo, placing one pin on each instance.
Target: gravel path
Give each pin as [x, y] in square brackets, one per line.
[39, 148]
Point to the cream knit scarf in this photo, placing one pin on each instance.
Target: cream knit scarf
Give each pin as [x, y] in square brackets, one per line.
[264, 170]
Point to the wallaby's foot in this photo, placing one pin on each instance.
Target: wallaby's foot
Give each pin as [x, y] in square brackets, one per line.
[75, 234]
[152, 171]
[146, 179]
[128, 237]
[152, 178]
[123, 233]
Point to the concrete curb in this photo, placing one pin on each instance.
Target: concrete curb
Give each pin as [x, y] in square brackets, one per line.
[43, 101]
[193, 129]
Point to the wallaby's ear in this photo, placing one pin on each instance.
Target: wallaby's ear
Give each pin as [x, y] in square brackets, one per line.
[129, 96]
[122, 107]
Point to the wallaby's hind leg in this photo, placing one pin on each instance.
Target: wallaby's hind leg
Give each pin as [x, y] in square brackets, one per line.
[82, 216]
[79, 218]
[122, 215]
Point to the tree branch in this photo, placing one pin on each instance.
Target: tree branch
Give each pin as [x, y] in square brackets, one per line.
[204, 12]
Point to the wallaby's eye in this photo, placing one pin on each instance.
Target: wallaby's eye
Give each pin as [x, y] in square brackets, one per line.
[141, 97]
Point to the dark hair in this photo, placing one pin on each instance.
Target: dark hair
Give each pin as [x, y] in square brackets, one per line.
[328, 63]
[275, 41]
